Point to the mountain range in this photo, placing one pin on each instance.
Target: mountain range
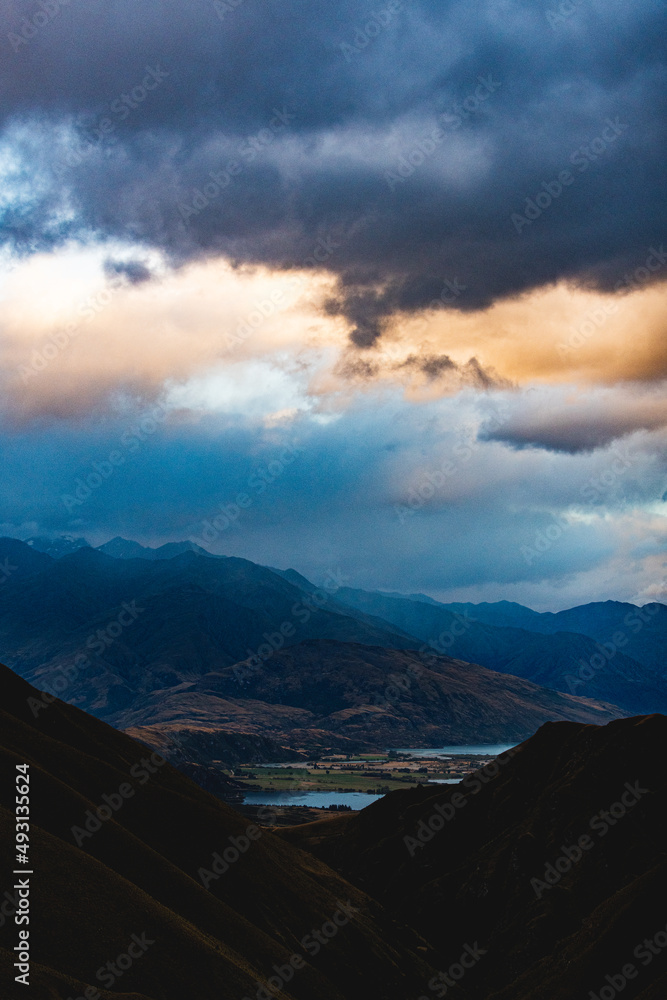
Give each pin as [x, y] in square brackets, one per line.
[606, 650]
[173, 644]
[352, 696]
[117, 548]
[641, 631]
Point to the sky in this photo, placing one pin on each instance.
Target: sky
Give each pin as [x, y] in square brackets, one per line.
[371, 289]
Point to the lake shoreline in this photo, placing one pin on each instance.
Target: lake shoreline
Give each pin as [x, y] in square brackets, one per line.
[354, 782]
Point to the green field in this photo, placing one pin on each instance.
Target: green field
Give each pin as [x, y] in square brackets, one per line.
[292, 779]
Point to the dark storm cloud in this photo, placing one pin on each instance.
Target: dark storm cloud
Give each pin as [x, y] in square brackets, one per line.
[561, 435]
[432, 366]
[472, 373]
[401, 146]
[586, 425]
[134, 271]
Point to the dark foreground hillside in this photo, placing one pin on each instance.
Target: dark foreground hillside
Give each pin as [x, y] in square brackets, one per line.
[554, 862]
[134, 886]
[542, 877]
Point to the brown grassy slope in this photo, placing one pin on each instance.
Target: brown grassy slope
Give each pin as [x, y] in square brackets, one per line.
[366, 693]
[138, 874]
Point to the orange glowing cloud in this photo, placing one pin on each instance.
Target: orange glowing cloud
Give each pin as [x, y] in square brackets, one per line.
[71, 338]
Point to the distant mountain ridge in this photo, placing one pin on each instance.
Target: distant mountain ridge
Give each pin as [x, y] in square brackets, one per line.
[642, 630]
[105, 632]
[121, 548]
[144, 642]
[622, 662]
[117, 548]
[63, 545]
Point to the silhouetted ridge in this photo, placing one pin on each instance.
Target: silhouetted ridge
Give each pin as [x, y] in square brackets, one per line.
[486, 867]
[138, 871]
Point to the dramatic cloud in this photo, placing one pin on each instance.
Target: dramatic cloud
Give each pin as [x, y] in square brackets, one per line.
[134, 271]
[397, 147]
[395, 497]
[85, 328]
[421, 245]
[579, 422]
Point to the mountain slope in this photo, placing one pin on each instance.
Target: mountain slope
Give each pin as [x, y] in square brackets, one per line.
[130, 640]
[640, 633]
[58, 547]
[643, 630]
[492, 867]
[373, 696]
[103, 631]
[503, 613]
[564, 661]
[122, 548]
[140, 874]
[19, 560]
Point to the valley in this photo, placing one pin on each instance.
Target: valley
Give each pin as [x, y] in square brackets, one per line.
[349, 748]
[373, 774]
[219, 661]
[227, 895]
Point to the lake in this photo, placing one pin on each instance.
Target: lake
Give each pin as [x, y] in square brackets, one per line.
[464, 750]
[319, 800]
[359, 800]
